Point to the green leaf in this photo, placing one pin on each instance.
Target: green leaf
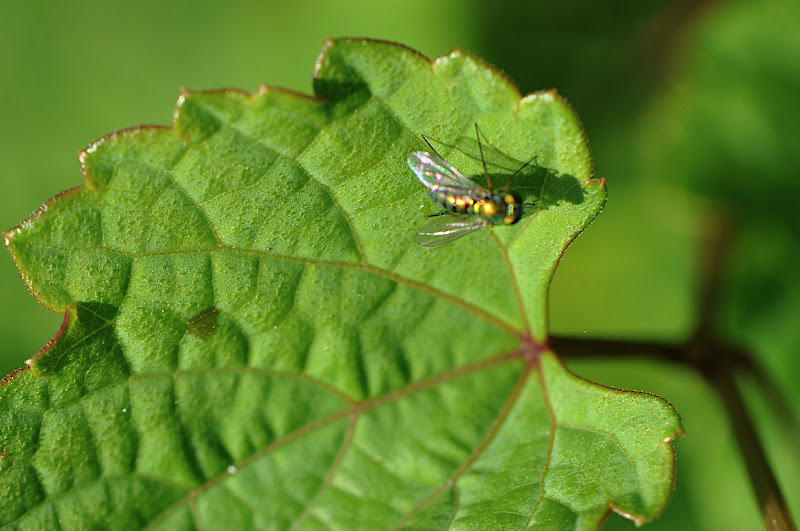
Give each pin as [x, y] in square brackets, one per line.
[253, 339]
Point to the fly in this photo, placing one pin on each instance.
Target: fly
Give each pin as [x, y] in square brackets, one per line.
[467, 205]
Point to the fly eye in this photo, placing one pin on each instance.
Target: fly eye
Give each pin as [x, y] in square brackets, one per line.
[513, 213]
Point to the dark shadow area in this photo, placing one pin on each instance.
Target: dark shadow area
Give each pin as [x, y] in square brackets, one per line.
[606, 59]
[535, 183]
[203, 324]
[341, 85]
[86, 336]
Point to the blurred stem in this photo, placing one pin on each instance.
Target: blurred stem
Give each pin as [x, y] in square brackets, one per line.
[714, 251]
[710, 357]
[778, 403]
[569, 347]
[773, 506]
[575, 347]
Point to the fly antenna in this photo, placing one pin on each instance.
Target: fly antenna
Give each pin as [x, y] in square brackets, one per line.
[430, 146]
[483, 160]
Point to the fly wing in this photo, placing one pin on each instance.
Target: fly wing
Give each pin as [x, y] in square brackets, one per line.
[445, 229]
[435, 172]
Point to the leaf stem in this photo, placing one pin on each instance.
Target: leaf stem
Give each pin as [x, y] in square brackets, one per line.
[573, 347]
[714, 251]
[773, 505]
[576, 347]
[777, 402]
[710, 356]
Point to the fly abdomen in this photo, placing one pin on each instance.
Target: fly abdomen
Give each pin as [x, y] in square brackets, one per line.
[455, 204]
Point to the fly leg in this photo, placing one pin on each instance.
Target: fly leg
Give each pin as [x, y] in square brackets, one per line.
[511, 177]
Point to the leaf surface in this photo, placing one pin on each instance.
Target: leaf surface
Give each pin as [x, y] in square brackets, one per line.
[253, 339]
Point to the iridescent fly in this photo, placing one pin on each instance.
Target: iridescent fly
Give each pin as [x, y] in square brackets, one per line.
[468, 206]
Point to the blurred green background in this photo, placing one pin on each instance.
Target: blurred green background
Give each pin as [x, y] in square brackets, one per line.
[691, 108]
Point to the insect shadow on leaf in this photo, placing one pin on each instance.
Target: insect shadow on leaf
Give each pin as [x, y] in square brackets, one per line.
[469, 206]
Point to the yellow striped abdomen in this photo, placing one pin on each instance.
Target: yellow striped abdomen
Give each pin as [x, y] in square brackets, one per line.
[455, 204]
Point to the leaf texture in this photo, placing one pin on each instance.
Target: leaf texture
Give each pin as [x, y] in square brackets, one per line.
[252, 339]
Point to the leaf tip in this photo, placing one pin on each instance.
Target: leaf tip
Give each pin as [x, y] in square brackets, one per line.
[8, 235]
[95, 176]
[183, 95]
[679, 431]
[83, 158]
[550, 95]
[480, 62]
[638, 520]
[327, 44]
[456, 52]
[11, 234]
[599, 182]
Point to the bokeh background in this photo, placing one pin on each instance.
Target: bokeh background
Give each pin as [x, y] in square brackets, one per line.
[692, 109]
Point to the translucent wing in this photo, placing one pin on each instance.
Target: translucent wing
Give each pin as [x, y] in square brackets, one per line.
[445, 229]
[435, 172]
